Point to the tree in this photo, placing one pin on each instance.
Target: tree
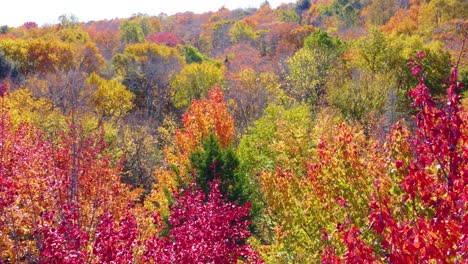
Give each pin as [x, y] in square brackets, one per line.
[301, 7]
[7, 67]
[441, 193]
[204, 228]
[73, 35]
[242, 31]
[70, 21]
[4, 29]
[423, 217]
[310, 66]
[64, 242]
[114, 243]
[362, 97]
[164, 38]
[131, 32]
[436, 12]
[380, 12]
[204, 117]
[252, 93]
[280, 138]
[111, 99]
[375, 53]
[39, 55]
[211, 162]
[53, 189]
[145, 69]
[193, 82]
[149, 25]
[193, 55]
[346, 11]
[340, 169]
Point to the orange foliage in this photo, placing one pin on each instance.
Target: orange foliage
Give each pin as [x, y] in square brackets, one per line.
[404, 21]
[262, 18]
[204, 117]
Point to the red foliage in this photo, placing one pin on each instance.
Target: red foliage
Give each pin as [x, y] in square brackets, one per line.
[205, 229]
[357, 251]
[39, 180]
[164, 38]
[434, 186]
[3, 89]
[329, 255]
[7, 183]
[115, 244]
[440, 143]
[65, 242]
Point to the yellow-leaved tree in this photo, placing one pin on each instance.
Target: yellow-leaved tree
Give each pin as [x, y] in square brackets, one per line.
[111, 99]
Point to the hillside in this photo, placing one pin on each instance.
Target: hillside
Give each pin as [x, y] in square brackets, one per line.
[323, 131]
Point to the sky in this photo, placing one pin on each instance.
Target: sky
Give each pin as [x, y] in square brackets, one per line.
[15, 12]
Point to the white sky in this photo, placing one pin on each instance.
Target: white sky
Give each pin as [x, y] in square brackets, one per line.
[15, 12]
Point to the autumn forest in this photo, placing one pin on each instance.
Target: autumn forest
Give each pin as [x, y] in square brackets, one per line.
[321, 131]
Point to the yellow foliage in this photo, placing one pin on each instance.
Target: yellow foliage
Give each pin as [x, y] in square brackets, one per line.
[340, 176]
[144, 50]
[194, 80]
[39, 55]
[111, 99]
[23, 107]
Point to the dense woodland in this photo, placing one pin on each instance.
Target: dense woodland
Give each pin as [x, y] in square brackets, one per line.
[323, 131]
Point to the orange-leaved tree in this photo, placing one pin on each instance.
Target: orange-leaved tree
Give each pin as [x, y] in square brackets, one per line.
[205, 116]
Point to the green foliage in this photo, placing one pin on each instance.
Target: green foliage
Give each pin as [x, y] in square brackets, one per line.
[193, 82]
[131, 32]
[346, 11]
[193, 55]
[289, 16]
[306, 76]
[436, 61]
[148, 24]
[380, 11]
[375, 53]
[211, 161]
[280, 138]
[436, 12]
[319, 40]
[384, 58]
[310, 66]
[360, 96]
[241, 31]
[335, 191]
